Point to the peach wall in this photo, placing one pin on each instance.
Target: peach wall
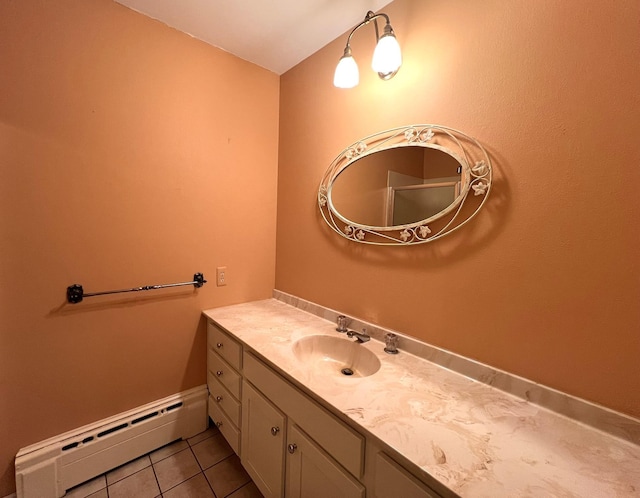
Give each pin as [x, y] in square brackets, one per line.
[123, 162]
[545, 283]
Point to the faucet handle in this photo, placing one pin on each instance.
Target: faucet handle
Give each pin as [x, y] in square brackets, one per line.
[391, 343]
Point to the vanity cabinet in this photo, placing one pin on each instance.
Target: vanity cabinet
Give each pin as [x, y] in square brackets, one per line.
[391, 480]
[288, 438]
[224, 381]
[290, 445]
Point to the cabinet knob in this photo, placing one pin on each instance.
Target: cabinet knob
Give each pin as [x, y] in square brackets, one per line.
[219, 345]
[218, 424]
[218, 398]
[292, 448]
[219, 373]
[275, 430]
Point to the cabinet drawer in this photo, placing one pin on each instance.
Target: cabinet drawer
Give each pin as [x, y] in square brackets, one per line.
[230, 432]
[223, 344]
[227, 376]
[393, 481]
[224, 399]
[344, 444]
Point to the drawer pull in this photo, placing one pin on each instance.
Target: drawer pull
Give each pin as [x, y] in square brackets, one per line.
[275, 430]
[292, 448]
[219, 345]
[218, 398]
[219, 373]
[218, 424]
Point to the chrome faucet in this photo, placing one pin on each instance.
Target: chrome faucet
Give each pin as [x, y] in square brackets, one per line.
[364, 337]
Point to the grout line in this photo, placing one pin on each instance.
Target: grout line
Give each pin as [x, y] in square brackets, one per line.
[202, 471]
[233, 491]
[155, 475]
[194, 456]
[181, 482]
[166, 445]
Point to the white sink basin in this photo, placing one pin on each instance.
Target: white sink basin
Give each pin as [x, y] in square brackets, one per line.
[331, 355]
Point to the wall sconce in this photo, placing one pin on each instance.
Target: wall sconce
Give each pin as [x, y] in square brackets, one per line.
[386, 61]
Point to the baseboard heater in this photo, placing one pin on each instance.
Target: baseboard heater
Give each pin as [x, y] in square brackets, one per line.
[51, 467]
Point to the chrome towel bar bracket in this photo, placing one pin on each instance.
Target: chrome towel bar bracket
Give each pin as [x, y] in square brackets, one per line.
[75, 292]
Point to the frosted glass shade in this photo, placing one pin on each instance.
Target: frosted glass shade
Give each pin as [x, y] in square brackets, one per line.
[387, 57]
[347, 74]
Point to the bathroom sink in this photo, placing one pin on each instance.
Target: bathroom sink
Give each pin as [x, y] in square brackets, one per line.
[330, 355]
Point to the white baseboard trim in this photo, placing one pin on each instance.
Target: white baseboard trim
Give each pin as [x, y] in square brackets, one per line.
[49, 468]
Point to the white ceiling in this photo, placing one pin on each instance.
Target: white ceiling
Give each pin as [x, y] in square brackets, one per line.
[274, 34]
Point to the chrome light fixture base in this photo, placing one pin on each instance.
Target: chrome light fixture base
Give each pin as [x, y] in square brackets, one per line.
[387, 57]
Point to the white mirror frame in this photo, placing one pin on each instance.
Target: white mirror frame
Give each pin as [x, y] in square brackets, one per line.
[476, 178]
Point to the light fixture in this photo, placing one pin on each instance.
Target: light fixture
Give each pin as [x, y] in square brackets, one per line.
[387, 57]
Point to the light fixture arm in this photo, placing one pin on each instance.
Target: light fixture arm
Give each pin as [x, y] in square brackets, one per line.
[371, 16]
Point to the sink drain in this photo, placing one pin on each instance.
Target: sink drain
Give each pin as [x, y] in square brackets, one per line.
[347, 371]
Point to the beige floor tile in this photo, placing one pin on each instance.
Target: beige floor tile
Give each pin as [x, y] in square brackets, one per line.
[227, 476]
[212, 450]
[127, 469]
[203, 435]
[247, 491]
[176, 469]
[87, 488]
[168, 450]
[100, 494]
[142, 484]
[196, 487]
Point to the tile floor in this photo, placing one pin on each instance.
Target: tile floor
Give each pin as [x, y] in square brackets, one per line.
[203, 466]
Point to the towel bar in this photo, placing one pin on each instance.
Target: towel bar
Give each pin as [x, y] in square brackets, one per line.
[75, 292]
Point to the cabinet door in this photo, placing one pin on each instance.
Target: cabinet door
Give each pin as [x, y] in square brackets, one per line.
[263, 438]
[312, 473]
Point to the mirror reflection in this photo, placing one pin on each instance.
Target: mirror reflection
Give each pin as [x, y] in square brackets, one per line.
[397, 186]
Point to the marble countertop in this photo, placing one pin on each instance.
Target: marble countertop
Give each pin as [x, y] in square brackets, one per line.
[476, 440]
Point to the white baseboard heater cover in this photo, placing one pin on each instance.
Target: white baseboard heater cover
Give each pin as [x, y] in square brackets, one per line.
[51, 467]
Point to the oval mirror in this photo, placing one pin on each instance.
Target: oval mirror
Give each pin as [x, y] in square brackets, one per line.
[397, 186]
[406, 185]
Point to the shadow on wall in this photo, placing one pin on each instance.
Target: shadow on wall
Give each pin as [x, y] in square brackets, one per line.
[197, 354]
[103, 302]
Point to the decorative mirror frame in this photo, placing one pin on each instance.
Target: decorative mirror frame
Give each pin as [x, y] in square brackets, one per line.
[476, 177]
